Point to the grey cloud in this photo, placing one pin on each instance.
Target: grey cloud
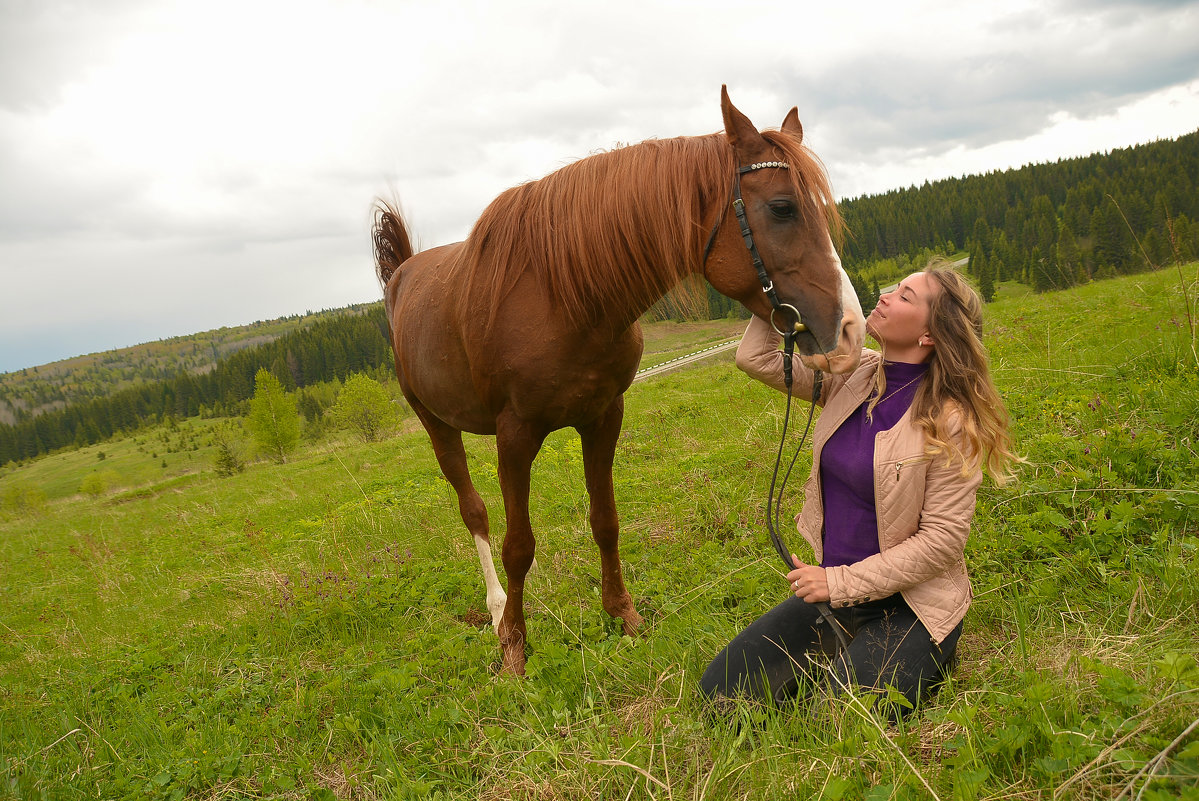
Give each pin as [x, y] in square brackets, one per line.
[933, 102]
[44, 44]
[1133, 7]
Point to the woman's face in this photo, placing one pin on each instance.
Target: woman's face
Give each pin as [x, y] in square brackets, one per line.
[900, 320]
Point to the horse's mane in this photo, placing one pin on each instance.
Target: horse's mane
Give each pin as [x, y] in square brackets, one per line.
[616, 230]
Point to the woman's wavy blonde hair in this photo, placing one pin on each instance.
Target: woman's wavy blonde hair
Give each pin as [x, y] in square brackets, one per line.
[959, 380]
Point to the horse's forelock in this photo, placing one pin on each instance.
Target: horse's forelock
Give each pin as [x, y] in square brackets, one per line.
[810, 181]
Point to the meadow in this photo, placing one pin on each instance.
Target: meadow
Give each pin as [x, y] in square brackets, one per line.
[316, 629]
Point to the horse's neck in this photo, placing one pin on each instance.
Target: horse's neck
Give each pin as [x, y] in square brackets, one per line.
[618, 318]
[687, 292]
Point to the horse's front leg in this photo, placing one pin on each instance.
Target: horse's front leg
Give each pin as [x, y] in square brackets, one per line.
[599, 451]
[517, 443]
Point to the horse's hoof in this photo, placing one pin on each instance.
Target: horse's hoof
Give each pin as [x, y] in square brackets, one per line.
[632, 624]
[514, 662]
[496, 619]
[512, 643]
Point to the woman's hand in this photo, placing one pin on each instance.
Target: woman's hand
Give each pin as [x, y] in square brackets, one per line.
[808, 582]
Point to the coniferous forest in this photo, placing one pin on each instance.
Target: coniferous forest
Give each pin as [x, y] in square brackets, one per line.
[1049, 226]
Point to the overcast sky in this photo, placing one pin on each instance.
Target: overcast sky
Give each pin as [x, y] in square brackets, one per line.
[173, 167]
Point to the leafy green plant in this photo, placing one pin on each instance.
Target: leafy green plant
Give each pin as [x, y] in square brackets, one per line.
[99, 482]
[364, 407]
[273, 421]
[228, 458]
[19, 497]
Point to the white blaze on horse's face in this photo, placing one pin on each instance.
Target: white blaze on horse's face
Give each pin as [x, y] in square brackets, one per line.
[845, 357]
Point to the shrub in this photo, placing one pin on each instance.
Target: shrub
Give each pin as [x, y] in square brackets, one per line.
[99, 482]
[20, 497]
[228, 457]
[365, 407]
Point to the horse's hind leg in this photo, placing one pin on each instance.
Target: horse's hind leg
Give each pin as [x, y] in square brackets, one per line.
[451, 457]
[517, 444]
[599, 451]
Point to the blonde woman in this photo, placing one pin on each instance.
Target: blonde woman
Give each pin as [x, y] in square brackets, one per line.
[897, 457]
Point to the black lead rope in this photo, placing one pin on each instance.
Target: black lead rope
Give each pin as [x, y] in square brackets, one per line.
[775, 501]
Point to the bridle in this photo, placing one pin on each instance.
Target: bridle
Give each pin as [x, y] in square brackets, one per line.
[775, 501]
[747, 235]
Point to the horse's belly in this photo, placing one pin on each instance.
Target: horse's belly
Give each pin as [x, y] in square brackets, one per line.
[561, 397]
[441, 384]
[545, 371]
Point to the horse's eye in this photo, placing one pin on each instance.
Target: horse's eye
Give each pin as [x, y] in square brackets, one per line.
[782, 209]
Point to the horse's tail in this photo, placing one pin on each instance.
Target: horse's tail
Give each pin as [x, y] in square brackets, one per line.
[393, 246]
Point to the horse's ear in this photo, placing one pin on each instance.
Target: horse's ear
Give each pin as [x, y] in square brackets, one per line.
[741, 132]
[791, 125]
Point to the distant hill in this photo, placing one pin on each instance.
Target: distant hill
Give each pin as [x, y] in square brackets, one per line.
[326, 347]
[47, 387]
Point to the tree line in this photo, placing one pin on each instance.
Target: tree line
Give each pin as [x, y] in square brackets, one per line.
[1050, 226]
[328, 349]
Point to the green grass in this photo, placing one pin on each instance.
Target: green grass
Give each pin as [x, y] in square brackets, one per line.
[149, 457]
[669, 340]
[315, 630]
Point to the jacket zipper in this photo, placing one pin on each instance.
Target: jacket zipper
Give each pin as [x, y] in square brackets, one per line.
[900, 465]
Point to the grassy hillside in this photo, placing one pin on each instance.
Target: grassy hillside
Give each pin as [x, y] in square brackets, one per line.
[95, 375]
[316, 630]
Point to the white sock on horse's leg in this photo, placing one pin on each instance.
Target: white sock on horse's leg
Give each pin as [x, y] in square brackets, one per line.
[496, 597]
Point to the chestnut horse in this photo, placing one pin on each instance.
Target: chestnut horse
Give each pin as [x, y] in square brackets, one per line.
[530, 325]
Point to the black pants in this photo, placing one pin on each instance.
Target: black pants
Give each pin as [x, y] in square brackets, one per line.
[791, 650]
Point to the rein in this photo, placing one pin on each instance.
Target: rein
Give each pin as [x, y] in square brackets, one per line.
[775, 501]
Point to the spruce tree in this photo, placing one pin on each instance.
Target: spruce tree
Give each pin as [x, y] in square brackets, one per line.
[1069, 257]
[986, 276]
[228, 457]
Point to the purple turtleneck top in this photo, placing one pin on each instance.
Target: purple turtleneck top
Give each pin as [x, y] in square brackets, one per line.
[847, 469]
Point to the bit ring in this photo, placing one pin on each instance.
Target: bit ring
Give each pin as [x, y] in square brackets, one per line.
[799, 325]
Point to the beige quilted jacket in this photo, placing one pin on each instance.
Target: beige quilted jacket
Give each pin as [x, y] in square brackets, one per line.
[924, 506]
